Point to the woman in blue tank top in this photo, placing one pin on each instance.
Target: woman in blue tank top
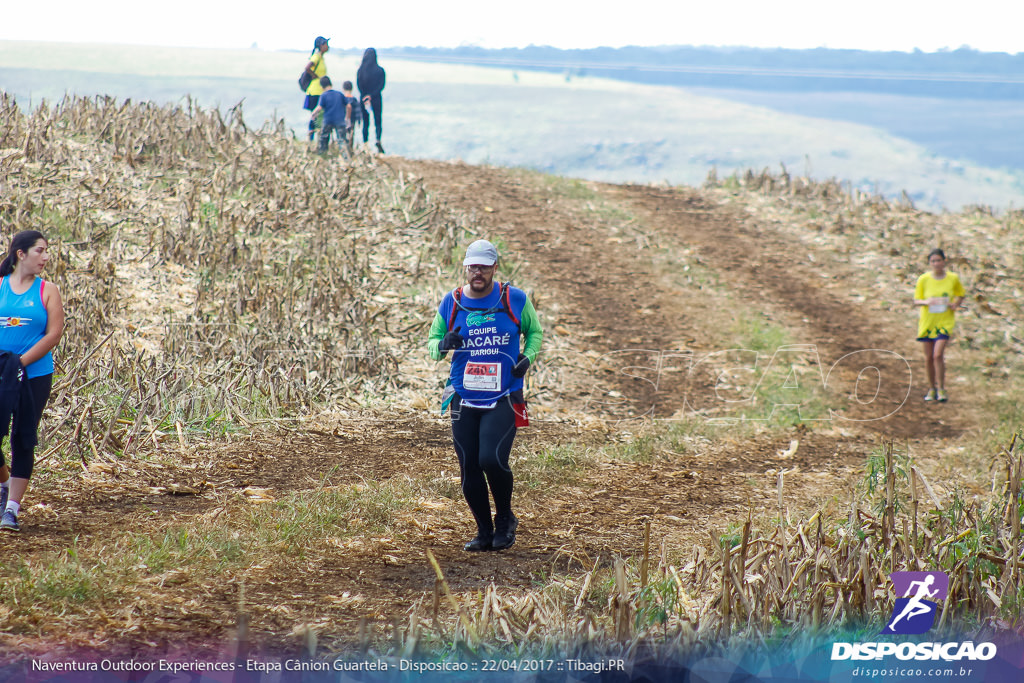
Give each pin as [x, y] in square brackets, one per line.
[31, 324]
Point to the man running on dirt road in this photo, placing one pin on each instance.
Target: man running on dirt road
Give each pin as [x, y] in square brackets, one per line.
[481, 323]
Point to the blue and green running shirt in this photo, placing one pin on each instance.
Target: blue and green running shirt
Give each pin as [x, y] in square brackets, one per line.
[481, 371]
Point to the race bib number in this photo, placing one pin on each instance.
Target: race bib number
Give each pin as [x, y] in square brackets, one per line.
[482, 376]
[938, 308]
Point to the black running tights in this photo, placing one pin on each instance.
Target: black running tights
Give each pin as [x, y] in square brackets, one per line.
[22, 458]
[483, 442]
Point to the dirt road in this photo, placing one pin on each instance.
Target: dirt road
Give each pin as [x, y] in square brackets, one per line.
[606, 290]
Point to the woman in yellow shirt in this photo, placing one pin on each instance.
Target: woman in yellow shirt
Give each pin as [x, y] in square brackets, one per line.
[938, 294]
[318, 68]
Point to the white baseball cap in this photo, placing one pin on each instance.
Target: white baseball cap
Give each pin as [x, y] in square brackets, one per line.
[481, 253]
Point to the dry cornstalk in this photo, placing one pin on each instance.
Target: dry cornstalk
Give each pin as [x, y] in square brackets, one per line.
[467, 625]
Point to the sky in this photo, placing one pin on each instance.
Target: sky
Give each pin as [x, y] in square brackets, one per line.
[905, 25]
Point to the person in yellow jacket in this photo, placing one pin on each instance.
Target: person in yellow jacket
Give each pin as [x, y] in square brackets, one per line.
[318, 68]
[939, 294]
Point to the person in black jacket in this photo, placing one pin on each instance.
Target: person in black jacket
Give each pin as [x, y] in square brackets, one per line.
[370, 80]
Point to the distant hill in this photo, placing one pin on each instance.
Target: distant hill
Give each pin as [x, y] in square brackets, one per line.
[955, 74]
[563, 122]
[962, 104]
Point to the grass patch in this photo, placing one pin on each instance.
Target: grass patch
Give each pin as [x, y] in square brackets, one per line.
[778, 383]
[570, 188]
[446, 485]
[552, 465]
[101, 573]
[58, 582]
[661, 440]
[304, 520]
[757, 334]
[1004, 414]
[642, 447]
[588, 199]
[210, 549]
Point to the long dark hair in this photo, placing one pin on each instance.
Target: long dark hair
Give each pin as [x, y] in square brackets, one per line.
[369, 59]
[23, 241]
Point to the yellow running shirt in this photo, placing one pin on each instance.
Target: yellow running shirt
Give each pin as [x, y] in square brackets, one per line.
[320, 69]
[936, 320]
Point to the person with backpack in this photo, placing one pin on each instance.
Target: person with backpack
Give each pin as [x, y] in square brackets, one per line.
[315, 70]
[370, 79]
[481, 324]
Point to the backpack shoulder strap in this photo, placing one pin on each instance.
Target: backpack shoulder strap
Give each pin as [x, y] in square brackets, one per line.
[506, 302]
[456, 304]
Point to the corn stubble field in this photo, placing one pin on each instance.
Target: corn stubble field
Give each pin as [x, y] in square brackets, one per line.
[224, 287]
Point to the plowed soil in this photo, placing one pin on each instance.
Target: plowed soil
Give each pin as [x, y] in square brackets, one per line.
[605, 286]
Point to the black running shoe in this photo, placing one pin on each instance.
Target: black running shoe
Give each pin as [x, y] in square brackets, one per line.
[479, 544]
[504, 533]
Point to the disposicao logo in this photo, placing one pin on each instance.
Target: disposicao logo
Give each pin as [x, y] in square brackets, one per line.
[919, 596]
[921, 593]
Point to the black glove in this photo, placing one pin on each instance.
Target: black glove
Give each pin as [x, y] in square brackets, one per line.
[521, 366]
[451, 340]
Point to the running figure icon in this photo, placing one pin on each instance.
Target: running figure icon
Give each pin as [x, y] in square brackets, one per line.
[916, 606]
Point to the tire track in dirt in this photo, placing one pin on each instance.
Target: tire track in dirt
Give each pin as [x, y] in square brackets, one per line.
[616, 292]
[609, 292]
[766, 264]
[608, 283]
